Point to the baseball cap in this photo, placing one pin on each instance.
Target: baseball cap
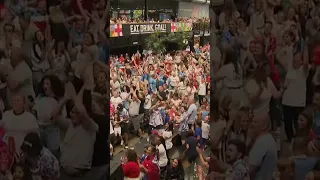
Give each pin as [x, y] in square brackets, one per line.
[32, 145]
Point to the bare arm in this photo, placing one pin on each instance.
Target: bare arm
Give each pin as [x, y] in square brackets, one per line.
[275, 92]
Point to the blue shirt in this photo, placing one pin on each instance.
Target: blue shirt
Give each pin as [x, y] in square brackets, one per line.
[227, 37]
[145, 77]
[303, 165]
[76, 37]
[205, 114]
[198, 132]
[152, 84]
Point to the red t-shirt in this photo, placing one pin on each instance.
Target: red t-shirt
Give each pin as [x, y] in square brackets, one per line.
[152, 167]
[122, 59]
[131, 170]
[275, 75]
[208, 79]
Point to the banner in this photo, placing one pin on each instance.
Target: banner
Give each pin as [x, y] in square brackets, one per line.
[147, 28]
[180, 26]
[118, 30]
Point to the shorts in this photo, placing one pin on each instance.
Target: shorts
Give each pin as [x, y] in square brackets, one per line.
[184, 135]
[136, 121]
[117, 131]
[204, 142]
[124, 127]
[192, 158]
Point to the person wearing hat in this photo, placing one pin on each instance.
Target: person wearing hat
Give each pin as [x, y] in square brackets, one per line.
[41, 162]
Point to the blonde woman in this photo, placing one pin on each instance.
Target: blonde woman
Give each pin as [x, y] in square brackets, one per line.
[229, 13]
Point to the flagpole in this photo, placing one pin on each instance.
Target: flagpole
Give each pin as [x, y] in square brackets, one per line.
[145, 10]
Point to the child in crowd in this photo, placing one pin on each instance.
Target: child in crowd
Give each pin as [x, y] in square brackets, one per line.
[21, 172]
[117, 127]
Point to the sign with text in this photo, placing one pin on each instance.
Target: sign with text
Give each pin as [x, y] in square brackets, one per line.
[147, 28]
[117, 30]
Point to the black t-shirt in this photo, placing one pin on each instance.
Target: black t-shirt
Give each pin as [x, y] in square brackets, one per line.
[101, 148]
[163, 95]
[192, 142]
[141, 108]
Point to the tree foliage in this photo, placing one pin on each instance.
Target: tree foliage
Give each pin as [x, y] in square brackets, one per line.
[157, 41]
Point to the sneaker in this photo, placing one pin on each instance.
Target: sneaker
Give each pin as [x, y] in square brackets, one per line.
[121, 142]
[148, 139]
[126, 147]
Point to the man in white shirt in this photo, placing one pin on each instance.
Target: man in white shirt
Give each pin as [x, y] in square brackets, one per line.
[202, 90]
[263, 157]
[115, 84]
[116, 99]
[205, 127]
[80, 135]
[134, 111]
[294, 96]
[19, 81]
[18, 122]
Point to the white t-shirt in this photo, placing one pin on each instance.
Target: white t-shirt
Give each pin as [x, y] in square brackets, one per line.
[116, 86]
[44, 107]
[134, 108]
[111, 128]
[202, 89]
[115, 101]
[192, 111]
[263, 105]
[231, 78]
[163, 160]
[168, 136]
[295, 94]
[285, 56]
[205, 130]
[147, 102]
[124, 96]
[22, 74]
[263, 154]
[77, 138]
[18, 126]
[174, 81]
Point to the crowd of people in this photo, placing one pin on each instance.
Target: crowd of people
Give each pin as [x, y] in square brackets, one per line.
[53, 88]
[126, 20]
[265, 75]
[160, 95]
